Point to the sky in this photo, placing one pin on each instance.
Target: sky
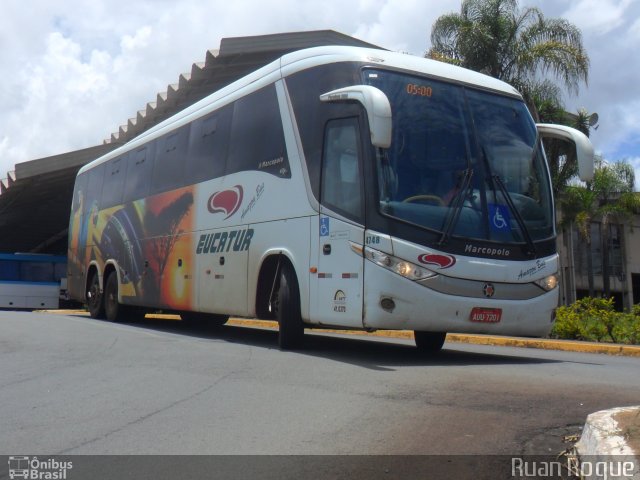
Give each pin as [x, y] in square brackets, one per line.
[74, 71]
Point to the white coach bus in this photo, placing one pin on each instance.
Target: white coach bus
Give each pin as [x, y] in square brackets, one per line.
[335, 187]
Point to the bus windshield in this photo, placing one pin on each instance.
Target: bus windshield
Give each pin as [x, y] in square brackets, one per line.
[462, 162]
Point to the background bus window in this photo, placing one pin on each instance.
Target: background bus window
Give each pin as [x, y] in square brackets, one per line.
[208, 145]
[139, 168]
[36, 272]
[168, 167]
[94, 189]
[113, 185]
[9, 271]
[341, 169]
[257, 138]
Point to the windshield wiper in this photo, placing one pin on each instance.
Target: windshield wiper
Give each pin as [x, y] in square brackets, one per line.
[523, 228]
[454, 212]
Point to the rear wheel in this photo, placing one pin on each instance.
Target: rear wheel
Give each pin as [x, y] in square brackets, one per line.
[429, 342]
[95, 301]
[112, 308]
[287, 305]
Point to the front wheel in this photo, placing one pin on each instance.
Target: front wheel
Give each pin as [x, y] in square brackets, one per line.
[95, 300]
[429, 342]
[291, 328]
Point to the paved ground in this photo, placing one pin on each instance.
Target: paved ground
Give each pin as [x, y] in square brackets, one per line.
[73, 385]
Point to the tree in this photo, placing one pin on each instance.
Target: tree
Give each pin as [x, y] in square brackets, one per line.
[518, 46]
[560, 154]
[610, 198]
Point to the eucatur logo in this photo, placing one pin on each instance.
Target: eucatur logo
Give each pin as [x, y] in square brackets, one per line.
[226, 201]
[438, 260]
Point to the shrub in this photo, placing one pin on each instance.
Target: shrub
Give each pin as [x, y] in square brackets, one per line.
[595, 319]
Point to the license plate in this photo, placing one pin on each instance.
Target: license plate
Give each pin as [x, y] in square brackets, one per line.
[486, 315]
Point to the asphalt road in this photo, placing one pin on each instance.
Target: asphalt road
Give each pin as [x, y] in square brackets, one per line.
[70, 385]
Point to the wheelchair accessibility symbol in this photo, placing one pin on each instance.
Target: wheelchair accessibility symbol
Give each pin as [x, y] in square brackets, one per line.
[498, 220]
[324, 226]
[499, 215]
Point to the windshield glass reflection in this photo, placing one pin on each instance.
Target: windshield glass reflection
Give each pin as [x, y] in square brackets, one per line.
[462, 162]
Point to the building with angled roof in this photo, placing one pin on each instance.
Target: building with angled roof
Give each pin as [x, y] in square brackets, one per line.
[35, 198]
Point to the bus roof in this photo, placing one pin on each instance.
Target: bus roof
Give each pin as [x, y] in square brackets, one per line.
[301, 60]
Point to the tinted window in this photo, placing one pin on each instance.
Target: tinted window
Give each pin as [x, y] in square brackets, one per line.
[94, 188]
[9, 270]
[257, 138]
[79, 194]
[36, 272]
[341, 168]
[311, 114]
[59, 271]
[462, 162]
[113, 182]
[139, 168]
[171, 153]
[208, 144]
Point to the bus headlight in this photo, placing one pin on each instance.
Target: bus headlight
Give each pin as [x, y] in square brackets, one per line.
[401, 267]
[548, 283]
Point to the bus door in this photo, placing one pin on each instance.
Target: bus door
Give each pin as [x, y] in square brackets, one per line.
[337, 287]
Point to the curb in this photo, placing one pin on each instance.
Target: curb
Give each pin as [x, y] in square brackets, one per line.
[604, 445]
[521, 342]
[548, 344]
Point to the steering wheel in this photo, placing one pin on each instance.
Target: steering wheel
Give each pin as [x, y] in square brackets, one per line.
[433, 198]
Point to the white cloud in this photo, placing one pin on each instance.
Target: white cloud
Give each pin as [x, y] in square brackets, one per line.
[634, 30]
[599, 16]
[635, 163]
[78, 70]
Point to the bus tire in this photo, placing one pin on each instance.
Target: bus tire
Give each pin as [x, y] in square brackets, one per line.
[95, 300]
[112, 308]
[291, 328]
[429, 342]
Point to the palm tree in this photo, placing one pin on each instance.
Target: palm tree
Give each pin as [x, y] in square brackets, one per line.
[608, 197]
[561, 155]
[578, 206]
[518, 46]
[618, 203]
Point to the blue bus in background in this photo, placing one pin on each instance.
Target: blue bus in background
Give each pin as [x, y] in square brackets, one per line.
[32, 281]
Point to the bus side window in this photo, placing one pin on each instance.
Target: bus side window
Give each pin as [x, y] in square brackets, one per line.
[94, 189]
[79, 195]
[208, 144]
[9, 270]
[113, 185]
[139, 169]
[168, 168]
[257, 136]
[341, 182]
[36, 272]
[59, 271]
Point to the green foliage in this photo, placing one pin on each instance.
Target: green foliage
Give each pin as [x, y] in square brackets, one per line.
[594, 319]
[519, 46]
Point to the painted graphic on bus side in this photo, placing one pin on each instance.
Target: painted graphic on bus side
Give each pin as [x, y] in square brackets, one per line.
[148, 240]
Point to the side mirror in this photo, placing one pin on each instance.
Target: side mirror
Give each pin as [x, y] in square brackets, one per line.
[584, 149]
[376, 104]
